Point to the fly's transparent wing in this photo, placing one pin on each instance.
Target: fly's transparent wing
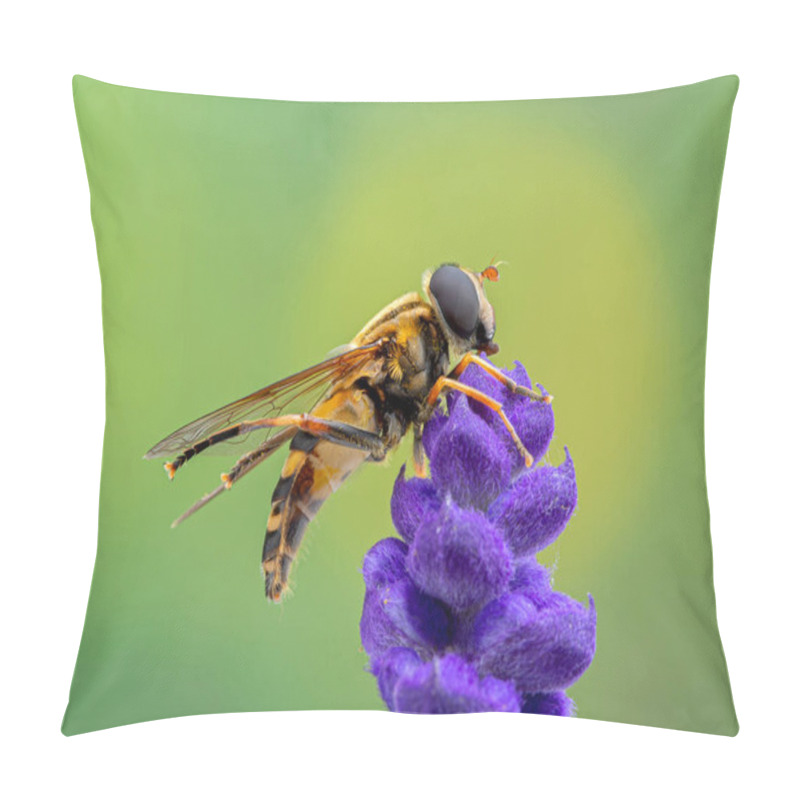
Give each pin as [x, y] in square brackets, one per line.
[269, 401]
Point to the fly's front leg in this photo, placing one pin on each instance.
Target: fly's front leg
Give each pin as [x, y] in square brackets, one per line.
[511, 385]
[444, 383]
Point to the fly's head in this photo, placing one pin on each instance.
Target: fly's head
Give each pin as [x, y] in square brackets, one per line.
[459, 300]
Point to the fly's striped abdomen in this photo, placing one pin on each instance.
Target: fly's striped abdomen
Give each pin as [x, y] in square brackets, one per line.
[313, 471]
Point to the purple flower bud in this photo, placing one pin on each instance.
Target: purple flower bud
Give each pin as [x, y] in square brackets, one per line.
[411, 500]
[537, 507]
[557, 704]
[396, 662]
[534, 423]
[459, 557]
[385, 563]
[530, 579]
[433, 427]
[468, 462]
[493, 624]
[398, 614]
[378, 632]
[446, 685]
[547, 652]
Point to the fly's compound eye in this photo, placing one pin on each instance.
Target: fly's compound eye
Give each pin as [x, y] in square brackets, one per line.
[457, 297]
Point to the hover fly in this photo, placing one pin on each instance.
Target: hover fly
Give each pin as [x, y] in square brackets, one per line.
[387, 380]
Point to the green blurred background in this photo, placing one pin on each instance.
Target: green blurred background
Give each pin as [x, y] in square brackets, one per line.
[241, 240]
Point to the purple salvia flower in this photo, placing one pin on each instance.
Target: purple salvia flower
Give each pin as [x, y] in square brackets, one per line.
[459, 616]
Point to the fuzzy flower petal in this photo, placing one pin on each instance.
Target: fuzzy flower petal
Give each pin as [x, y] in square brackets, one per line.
[547, 652]
[537, 508]
[397, 662]
[433, 427]
[411, 500]
[557, 704]
[534, 423]
[384, 563]
[468, 462]
[531, 579]
[400, 615]
[419, 616]
[459, 557]
[378, 632]
[493, 625]
[445, 685]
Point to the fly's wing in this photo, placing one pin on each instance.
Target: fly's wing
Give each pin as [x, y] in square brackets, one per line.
[267, 402]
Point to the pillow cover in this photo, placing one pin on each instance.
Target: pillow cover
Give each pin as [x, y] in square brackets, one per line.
[533, 535]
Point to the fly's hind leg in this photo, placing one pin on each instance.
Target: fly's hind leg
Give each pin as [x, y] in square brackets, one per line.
[339, 433]
[252, 459]
[198, 447]
[332, 430]
[511, 385]
[248, 462]
[445, 383]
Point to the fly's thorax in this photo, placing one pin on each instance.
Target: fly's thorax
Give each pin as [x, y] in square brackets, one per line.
[421, 352]
[414, 355]
[386, 319]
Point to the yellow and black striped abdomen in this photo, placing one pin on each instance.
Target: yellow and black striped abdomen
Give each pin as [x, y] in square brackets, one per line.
[313, 471]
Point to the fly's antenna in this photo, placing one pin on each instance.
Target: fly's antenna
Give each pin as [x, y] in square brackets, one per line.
[491, 272]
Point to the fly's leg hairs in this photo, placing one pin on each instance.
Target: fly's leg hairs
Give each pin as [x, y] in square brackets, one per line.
[252, 459]
[339, 433]
[249, 461]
